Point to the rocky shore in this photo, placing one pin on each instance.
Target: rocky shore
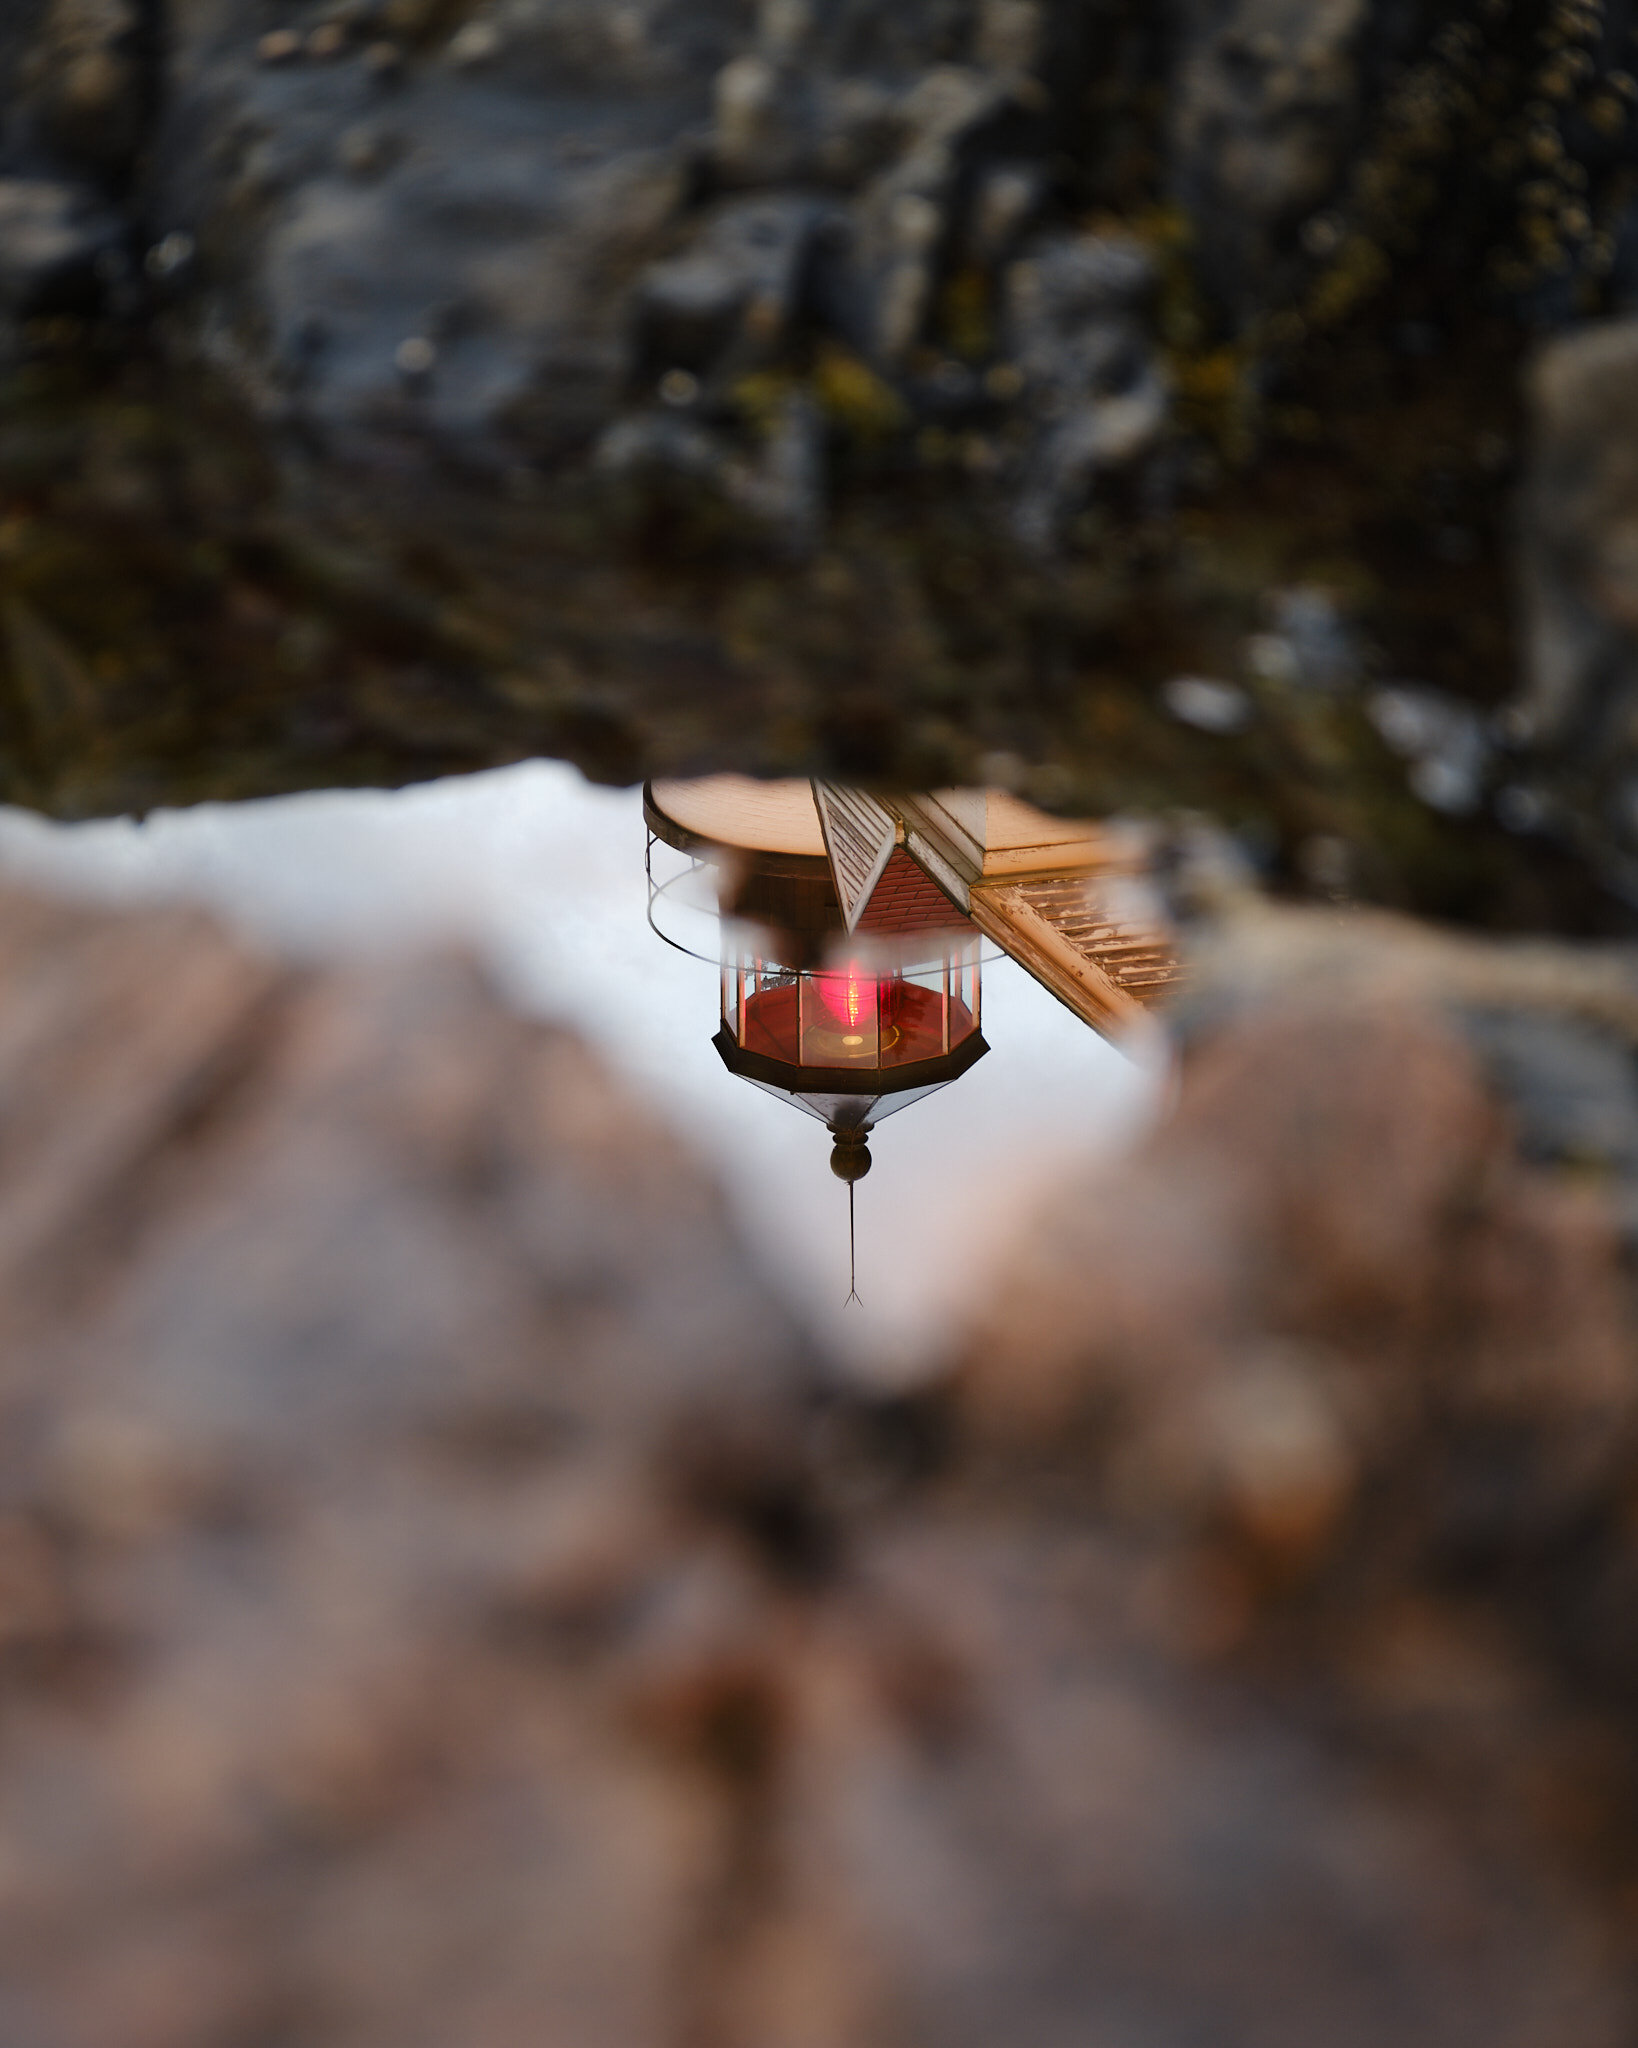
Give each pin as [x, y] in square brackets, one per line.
[934, 393]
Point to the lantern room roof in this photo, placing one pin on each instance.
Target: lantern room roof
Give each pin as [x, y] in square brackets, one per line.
[738, 811]
[781, 818]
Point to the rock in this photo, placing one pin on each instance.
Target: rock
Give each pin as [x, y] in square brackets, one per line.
[1007, 198]
[86, 79]
[725, 305]
[1444, 740]
[1456, 1310]
[779, 495]
[534, 260]
[1311, 644]
[442, 241]
[905, 216]
[1582, 509]
[1268, 106]
[370, 1360]
[1293, 1248]
[1075, 318]
[1208, 704]
[1581, 561]
[1073, 310]
[53, 238]
[517, 256]
[17, 32]
[75, 86]
[1572, 1090]
[1348, 1370]
[1044, 1826]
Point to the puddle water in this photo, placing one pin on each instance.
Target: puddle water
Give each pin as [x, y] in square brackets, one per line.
[551, 878]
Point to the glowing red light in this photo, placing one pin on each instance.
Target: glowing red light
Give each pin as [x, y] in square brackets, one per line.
[850, 995]
[860, 1002]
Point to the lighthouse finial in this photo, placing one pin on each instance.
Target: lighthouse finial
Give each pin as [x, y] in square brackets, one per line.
[850, 1161]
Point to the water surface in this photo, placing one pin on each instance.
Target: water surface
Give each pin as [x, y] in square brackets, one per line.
[543, 874]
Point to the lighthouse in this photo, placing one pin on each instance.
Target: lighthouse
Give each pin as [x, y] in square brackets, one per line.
[850, 981]
[849, 928]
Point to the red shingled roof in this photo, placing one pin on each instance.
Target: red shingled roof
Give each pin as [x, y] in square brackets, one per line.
[905, 900]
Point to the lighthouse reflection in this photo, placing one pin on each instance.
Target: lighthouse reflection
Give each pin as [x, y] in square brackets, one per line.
[849, 992]
[850, 931]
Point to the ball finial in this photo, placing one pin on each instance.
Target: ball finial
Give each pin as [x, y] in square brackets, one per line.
[850, 1157]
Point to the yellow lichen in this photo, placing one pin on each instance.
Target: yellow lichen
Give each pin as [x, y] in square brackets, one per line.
[965, 321]
[859, 402]
[1361, 268]
[762, 397]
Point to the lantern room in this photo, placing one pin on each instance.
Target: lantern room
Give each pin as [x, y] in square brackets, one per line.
[852, 1042]
[850, 982]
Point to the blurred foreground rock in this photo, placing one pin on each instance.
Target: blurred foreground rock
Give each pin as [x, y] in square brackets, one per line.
[379, 1387]
[1346, 1358]
[440, 1603]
